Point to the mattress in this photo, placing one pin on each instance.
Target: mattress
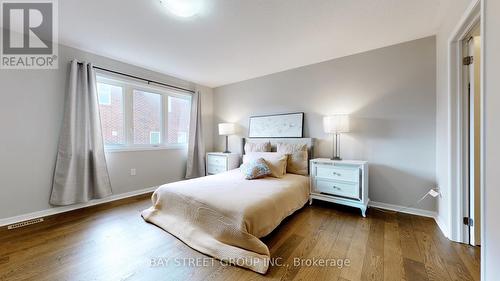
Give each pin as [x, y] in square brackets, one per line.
[224, 215]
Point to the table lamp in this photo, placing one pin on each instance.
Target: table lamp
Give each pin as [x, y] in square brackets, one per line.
[335, 125]
[226, 129]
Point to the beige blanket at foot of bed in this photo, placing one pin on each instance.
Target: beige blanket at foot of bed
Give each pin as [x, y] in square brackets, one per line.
[224, 215]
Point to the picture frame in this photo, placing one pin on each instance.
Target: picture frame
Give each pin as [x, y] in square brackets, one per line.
[284, 125]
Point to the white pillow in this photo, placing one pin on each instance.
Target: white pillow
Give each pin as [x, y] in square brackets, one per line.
[297, 157]
[276, 161]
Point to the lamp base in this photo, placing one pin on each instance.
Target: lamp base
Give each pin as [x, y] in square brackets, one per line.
[227, 149]
[336, 147]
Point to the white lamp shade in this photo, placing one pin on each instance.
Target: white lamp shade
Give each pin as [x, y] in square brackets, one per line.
[338, 123]
[227, 129]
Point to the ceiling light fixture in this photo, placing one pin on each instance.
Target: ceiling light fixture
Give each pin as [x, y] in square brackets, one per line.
[182, 8]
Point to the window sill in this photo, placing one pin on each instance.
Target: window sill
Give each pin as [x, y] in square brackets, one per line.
[145, 148]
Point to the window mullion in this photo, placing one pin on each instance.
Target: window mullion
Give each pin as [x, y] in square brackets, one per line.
[129, 114]
[165, 119]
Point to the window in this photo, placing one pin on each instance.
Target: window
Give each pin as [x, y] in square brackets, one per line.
[136, 116]
[147, 116]
[178, 120]
[111, 111]
[104, 91]
[154, 138]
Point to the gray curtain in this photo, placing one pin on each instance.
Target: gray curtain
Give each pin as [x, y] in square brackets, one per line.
[196, 149]
[81, 173]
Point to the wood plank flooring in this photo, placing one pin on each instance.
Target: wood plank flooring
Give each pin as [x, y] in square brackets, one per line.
[112, 242]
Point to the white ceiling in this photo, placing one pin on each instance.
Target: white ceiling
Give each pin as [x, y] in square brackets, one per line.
[234, 40]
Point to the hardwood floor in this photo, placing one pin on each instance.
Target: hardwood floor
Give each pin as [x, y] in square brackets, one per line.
[112, 242]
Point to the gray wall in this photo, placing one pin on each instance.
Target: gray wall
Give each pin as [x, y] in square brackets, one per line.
[391, 95]
[491, 223]
[31, 112]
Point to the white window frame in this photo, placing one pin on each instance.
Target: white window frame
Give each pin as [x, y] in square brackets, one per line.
[129, 86]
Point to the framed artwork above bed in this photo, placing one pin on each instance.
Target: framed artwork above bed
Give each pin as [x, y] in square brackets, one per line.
[286, 125]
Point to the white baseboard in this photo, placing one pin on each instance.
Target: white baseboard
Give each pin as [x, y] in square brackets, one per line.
[63, 209]
[413, 211]
[442, 226]
[403, 209]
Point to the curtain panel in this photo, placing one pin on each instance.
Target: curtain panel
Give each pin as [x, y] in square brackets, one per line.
[196, 147]
[81, 173]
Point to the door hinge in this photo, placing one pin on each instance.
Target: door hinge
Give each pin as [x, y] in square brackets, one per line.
[468, 60]
[468, 221]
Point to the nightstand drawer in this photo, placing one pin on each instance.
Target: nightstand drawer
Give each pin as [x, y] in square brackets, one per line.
[345, 189]
[338, 173]
[216, 160]
[213, 169]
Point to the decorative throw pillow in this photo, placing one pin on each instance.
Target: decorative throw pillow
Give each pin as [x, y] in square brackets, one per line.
[297, 157]
[257, 147]
[276, 161]
[255, 169]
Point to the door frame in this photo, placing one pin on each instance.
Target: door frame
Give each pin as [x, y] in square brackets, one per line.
[456, 172]
[469, 136]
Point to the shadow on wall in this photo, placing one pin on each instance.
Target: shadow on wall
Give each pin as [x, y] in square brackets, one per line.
[390, 189]
[396, 134]
[401, 171]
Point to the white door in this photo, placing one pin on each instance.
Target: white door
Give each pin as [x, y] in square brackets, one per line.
[475, 135]
[472, 124]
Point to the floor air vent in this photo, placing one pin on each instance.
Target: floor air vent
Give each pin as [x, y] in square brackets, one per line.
[24, 223]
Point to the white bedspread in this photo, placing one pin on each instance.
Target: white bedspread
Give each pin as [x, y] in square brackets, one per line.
[224, 215]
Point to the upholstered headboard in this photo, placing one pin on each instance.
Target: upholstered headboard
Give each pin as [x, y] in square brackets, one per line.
[308, 141]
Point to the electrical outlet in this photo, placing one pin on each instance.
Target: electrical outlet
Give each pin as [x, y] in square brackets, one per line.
[133, 172]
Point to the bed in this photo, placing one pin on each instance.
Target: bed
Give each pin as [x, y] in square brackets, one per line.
[224, 215]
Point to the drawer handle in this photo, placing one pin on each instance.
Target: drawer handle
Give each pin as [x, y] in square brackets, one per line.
[336, 187]
[336, 174]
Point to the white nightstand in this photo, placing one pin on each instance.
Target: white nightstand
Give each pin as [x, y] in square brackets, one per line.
[218, 162]
[342, 182]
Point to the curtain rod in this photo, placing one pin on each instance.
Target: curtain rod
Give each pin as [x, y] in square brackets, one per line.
[143, 79]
